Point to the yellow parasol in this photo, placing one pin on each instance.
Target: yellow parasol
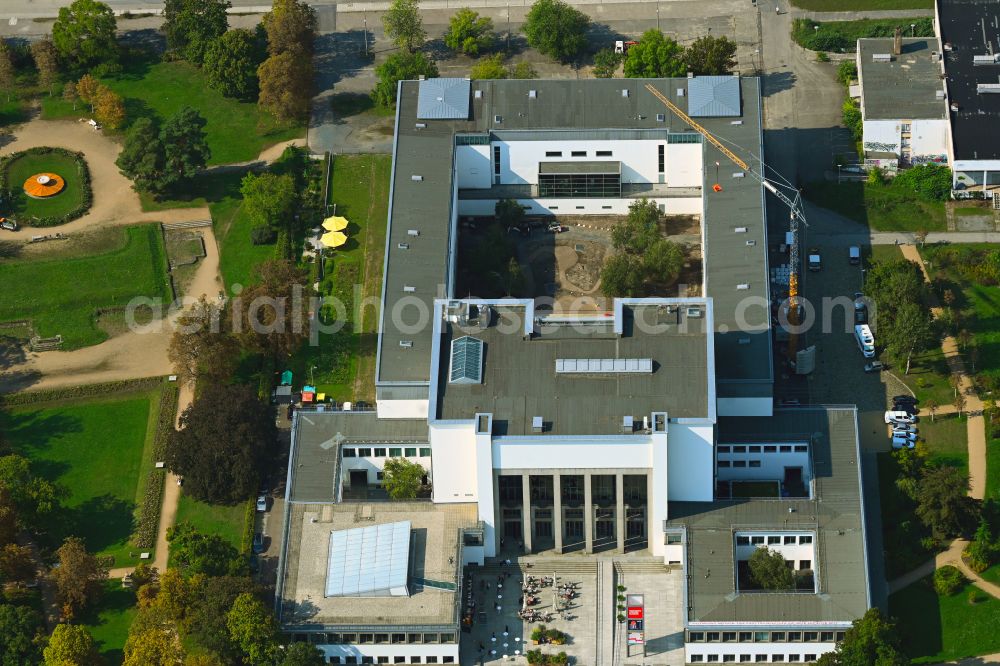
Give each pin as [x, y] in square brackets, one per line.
[333, 239]
[335, 223]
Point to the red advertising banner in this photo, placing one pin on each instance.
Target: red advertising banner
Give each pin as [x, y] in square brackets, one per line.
[635, 613]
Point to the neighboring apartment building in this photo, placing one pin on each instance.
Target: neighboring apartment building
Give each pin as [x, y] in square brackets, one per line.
[633, 430]
[903, 105]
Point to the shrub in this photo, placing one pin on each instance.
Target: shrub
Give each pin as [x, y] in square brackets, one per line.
[851, 115]
[538, 633]
[930, 182]
[84, 391]
[263, 235]
[152, 498]
[975, 596]
[821, 56]
[847, 71]
[948, 580]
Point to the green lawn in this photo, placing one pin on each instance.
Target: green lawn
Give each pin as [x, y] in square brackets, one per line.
[973, 212]
[881, 207]
[12, 111]
[31, 164]
[936, 629]
[237, 255]
[843, 36]
[109, 622]
[97, 450]
[946, 438]
[61, 296]
[993, 469]
[226, 521]
[237, 131]
[861, 5]
[359, 188]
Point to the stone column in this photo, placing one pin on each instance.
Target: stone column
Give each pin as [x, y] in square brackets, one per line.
[557, 517]
[648, 514]
[527, 524]
[588, 514]
[620, 510]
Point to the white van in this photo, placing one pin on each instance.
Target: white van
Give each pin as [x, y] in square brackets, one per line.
[866, 341]
[899, 417]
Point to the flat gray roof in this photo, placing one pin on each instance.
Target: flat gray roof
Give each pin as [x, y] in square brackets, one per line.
[834, 514]
[597, 105]
[520, 380]
[318, 436]
[905, 87]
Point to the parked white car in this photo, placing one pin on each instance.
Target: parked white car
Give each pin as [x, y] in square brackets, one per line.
[904, 434]
[900, 417]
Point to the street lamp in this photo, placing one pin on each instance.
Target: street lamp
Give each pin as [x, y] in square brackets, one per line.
[838, 173]
[312, 378]
[913, 30]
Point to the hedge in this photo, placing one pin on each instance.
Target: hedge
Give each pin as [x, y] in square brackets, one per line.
[73, 392]
[53, 221]
[152, 499]
[842, 36]
[249, 522]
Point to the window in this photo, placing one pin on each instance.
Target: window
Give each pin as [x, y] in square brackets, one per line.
[777, 637]
[777, 657]
[432, 660]
[742, 541]
[801, 449]
[713, 657]
[399, 660]
[578, 153]
[753, 449]
[383, 660]
[366, 639]
[724, 463]
[364, 453]
[729, 657]
[673, 539]
[399, 638]
[794, 636]
[746, 637]
[351, 660]
[810, 657]
[760, 657]
[757, 541]
[841, 635]
[380, 453]
[416, 660]
[430, 638]
[811, 636]
[335, 660]
[713, 637]
[754, 463]
[697, 659]
[723, 449]
[447, 638]
[773, 540]
[807, 564]
[770, 449]
[379, 476]
[761, 636]
[395, 453]
[728, 636]
[553, 153]
[696, 636]
[739, 449]
[413, 639]
[411, 452]
[496, 161]
[425, 452]
[786, 449]
[789, 540]
[660, 161]
[349, 453]
[604, 185]
[447, 660]
[826, 637]
[603, 153]
[744, 658]
[739, 463]
[807, 538]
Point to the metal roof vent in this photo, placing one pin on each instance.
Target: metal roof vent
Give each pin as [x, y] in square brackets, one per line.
[680, 92]
[743, 286]
[403, 246]
[751, 243]
[740, 230]
[497, 119]
[694, 313]
[661, 117]
[939, 94]
[881, 57]
[532, 94]
[478, 94]
[624, 92]
[406, 344]
[408, 289]
[537, 424]
[628, 424]
[416, 178]
[421, 125]
[413, 232]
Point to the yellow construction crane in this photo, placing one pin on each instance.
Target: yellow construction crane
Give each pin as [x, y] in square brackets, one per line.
[795, 206]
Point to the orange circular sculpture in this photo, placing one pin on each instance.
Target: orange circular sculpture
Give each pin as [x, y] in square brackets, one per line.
[44, 185]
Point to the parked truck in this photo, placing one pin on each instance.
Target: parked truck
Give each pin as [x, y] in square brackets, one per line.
[866, 341]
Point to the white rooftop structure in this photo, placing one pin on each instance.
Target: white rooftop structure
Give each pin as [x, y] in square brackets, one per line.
[443, 99]
[369, 561]
[714, 96]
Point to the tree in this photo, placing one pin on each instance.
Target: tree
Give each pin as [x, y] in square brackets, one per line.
[152, 642]
[79, 578]
[871, 640]
[508, 212]
[142, 157]
[302, 654]
[960, 402]
[644, 258]
[274, 312]
[268, 199]
[185, 148]
[556, 29]
[206, 614]
[7, 78]
[253, 628]
[655, 56]
[403, 25]
[199, 553]
[490, 67]
[8, 517]
[663, 261]
[606, 63]
[400, 67]
[109, 108]
[621, 276]
[226, 438]
[192, 25]
[285, 83]
[710, 55]
[71, 645]
[46, 58]
[850, 114]
[17, 563]
[88, 88]
[911, 331]
[769, 570]
[69, 93]
[402, 479]
[200, 347]
[942, 501]
[469, 33]
[522, 70]
[920, 235]
[290, 27]
[84, 34]
[20, 627]
[847, 71]
[982, 550]
[231, 64]
[34, 498]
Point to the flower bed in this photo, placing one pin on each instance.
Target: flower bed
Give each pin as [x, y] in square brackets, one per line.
[73, 201]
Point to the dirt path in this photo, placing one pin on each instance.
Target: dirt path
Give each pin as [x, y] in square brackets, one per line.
[115, 202]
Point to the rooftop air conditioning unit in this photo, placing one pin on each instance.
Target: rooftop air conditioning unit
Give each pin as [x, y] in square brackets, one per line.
[536, 424]
[991, 59]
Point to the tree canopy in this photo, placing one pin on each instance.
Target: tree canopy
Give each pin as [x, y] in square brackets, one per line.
[268, 199]
[19, 630]
[46, 58]
[185, 149]
[202, 346]
[710, 55]
[897, 290]
[79, 577]
[286, 83]
[403, 24]
[231, 64]
[141, 158]
[644, 260]
[227, 437]
[274, 309]
[871, 640]
[556, 29]
[400, 67]
[33, 497]
[71, 644]
[769, 571]
[253, 628]
[290, 28]
[943, 503]
[302, 654]
[402, 478]
[159, 160]
[84, 34]
[192, 25]
[655, 56]
[469, 33]
[200, 553]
